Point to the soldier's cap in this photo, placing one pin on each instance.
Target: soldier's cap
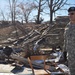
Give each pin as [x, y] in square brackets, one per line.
[71, 9]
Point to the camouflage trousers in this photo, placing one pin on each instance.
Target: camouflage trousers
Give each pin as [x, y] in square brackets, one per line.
[72, 71]
[71, 65]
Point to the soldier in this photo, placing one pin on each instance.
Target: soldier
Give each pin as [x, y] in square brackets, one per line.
[69, 44]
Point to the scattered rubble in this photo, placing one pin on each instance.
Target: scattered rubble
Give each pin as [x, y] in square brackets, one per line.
[31, 39]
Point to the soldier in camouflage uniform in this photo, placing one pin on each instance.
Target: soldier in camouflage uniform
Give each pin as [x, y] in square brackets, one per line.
[69, 44]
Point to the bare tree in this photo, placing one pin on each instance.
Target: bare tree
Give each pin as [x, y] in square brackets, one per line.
[55, 5]
[40, 3]
[13, 13]
[26, 9]
[12, 5]
[2, 15]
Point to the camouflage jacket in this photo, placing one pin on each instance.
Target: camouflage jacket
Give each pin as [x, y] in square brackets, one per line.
[69, 42]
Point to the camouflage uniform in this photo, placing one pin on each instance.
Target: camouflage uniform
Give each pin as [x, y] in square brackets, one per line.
[69, 46]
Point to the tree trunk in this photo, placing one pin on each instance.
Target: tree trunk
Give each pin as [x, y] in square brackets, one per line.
[38, 16]
[51, 11]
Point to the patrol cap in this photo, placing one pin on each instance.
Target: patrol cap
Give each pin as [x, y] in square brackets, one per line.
[71, 9]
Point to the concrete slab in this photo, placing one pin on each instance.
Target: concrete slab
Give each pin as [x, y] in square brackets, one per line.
[7, 69]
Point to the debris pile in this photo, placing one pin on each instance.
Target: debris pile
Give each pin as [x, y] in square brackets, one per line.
[31, 40]
[35, 36]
